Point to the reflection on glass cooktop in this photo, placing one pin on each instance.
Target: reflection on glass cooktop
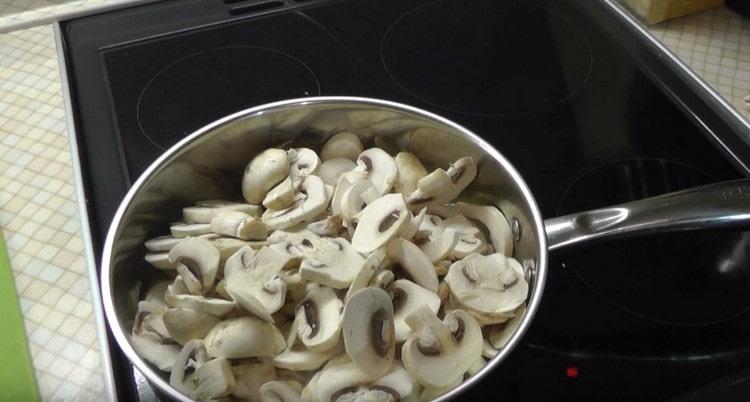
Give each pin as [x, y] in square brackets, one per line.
[641, 319]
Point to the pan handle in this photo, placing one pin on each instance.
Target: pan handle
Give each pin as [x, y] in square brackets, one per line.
[718, 205]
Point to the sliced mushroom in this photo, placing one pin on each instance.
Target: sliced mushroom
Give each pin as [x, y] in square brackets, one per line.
[409, 259]
[344, 381]
[381, 221]
[213, 380]
[440, 352]
[343, 183]
[151, 339]
[435, 241]
[443, 291]
[313, 203]
[155, 293]
[281, 196]
[367, 273]
[204, 214]
[301, 359]
[244, 337]
[310, 391]
[470, 238]
[414, 224]
[331, 169]
[280, 391]
[177, 295]
[249, 376]
[410, 171]
[229, 245]
[159, 260]
[262, 173]
[192, 356]
[319, 316]
[488, 351]
[303, 162]
[442, 186]
[380, 168]
[369, 336]
[356, 198]
[342, 145]
[430, 393]
[240, 225]
[492, 285]
[492, 218]
[161, 243]
[500, 333]
[408, 297]
[182, 229]
[383, 279]
[331, 226]
[254, 280]
[185, 324]
[197, 262]
[331, 262]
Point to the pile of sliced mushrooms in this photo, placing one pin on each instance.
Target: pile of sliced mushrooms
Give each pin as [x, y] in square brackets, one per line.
[349, 276]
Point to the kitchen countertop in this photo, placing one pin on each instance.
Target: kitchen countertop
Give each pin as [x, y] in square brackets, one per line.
[40, 201]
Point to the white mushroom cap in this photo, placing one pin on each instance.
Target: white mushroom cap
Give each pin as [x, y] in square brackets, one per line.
[407, 257]
[364, 277]
[302, 359]
[356, 198]
[319, 316]
[442, 186]
[415, 222]
[331, 169]
[185, 324]
[383, 279]
[331, 226]
[302, 162]
[492, 218]
[369, 335]
[470, 238]
[254, 280]
[492, 285]
[280, 391]
[312, 204]
[344, 381]
[161, 355]
[244, 337]
[343, 183]
[149, 321]
[342, 145]
[281, 196]
[204, 214]
[500, 333]
[159, 260]
[192, 356]
[410, 171]
[380, 168]
[249, 376]
[182, 229]
[435, 241]
[439, 353]
[161, 243]
[407, 298]
[330, 262]
[239, 224]
[262, 173]
[213, 379]
[229, 245]
[381, 221]
[177, 295]
[197, 262]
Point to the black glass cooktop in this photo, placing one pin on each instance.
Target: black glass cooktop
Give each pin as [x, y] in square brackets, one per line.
[574, 99]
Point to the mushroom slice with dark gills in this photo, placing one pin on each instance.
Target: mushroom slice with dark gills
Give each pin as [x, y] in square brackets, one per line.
[330, 262]
[408, 297]
[319, 318]
[369, 335]
[185, 324]
[177, 295]
[443, 186]
[244, 337]
[150, 337]
[488, 286]
[254, 281]
[192, 356]
[496, 223]
[197, 262]
[405, 256]
[438, 353]
[280, 391]
[302, 162]
[344, 381]
[297, 357]
[380, 168]
[381, 221]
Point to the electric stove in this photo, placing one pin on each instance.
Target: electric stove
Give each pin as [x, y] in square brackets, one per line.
[570, 92]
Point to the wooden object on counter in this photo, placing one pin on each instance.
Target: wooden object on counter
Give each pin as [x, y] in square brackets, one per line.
[653, 11]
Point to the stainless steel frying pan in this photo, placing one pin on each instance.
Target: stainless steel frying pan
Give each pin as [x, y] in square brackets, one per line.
[208, 164]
